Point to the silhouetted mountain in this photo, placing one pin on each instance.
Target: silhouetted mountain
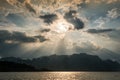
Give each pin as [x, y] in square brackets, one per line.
[75, 62]
[6, 66]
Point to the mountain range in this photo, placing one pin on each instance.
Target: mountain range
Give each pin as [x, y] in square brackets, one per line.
[75, 62]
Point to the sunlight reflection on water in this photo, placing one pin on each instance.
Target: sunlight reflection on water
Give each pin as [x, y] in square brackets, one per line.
[59, 76]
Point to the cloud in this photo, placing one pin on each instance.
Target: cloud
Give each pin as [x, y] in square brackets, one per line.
[114, 36]
[11, 37]
[101, 21]
[113, 14]
[44, 30]
[21, 1]
[36, 6]
[19, 37]
[41, 38]
[14, 43]
[93, 31]
[30, 8]
[4, 34]
[5, 4]
[49, 18]
[111, 17]
[16, 19]
[71, 18]
[108, 54]
[62, 15]
[112, 1]
[99, 1]
[83, 4]
[86, 47]
[4, 23]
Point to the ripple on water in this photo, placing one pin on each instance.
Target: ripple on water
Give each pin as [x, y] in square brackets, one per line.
[59, 75]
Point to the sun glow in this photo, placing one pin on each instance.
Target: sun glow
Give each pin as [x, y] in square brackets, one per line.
[61, 28]
[61, 25]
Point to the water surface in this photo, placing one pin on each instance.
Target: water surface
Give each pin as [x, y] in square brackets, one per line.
[59, 75]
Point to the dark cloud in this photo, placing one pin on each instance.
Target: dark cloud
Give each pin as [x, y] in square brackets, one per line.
[70, 17]
[10, 42]
[44, 30]
[4, 34]
[14, 36]
[30, 8]
[41, 38]
[18, 36]
[16, 19]
[49, 18]
[21, 1]
[82, 5]
[99, 30]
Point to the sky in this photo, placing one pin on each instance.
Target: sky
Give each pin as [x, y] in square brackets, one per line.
[34, 28]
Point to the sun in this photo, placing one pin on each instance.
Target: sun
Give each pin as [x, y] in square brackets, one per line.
[61, 26]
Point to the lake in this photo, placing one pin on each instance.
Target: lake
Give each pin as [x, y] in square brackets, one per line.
[59, 75]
